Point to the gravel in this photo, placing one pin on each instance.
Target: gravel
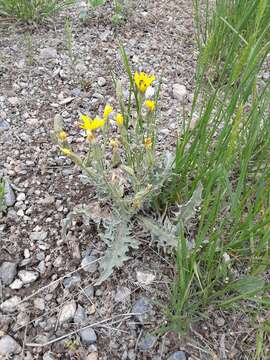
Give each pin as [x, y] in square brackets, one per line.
[8, 271]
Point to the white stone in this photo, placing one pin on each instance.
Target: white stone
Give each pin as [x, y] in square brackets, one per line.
[21, 197]
[145, 277]
[102, 81]
[8, 346]
[39, 303]
[27, 276]
[16, 285]
[67, 312]
[179, 91]
[10, 305]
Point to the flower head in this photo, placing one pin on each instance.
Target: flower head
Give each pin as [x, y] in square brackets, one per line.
[148, 143]
[62, 136]
[65, 151]
[150, 104]
[143, 81]
[119, 119]
[107, 111]
[91, 124]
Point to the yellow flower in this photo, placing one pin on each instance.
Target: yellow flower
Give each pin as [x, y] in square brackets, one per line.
[119, 119]
[65, 151]
[150, 105]
[91, 124]
[107, 111]
[62, 136]
[148, 143]
[143, 81]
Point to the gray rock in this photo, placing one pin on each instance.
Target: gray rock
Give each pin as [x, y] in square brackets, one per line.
[49, 356]
[4, 125]
[48, 53]
[38, 235]
[88, 265]
[76, 92]
[16, 285]
[147, 342]
[28, 276]
[88, 292]
[8, 346]
[122, 294]
[178, 355]
[67, 312]
[179, 91]
[88, 336]
[10, 198]
[132, 354]
[10, 305]
[80, 315]
[142, 307]
[70, 282]
[8, 272]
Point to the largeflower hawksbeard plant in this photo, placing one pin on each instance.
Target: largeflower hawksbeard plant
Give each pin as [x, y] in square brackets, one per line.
[121, 162]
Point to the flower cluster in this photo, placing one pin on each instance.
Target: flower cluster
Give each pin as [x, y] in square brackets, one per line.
[90, 125]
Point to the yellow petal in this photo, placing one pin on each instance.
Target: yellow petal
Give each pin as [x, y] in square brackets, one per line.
[150, 105]
[65, 151]
[62, 136]
[107, 111]
[119, 119]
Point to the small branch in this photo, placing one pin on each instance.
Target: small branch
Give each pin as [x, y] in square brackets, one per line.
[80, 329]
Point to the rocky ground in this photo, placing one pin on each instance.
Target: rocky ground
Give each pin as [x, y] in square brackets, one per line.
[47, 287]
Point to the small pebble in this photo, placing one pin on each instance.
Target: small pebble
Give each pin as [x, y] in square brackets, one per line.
[178, 355]
[88, 336]
[8, 272]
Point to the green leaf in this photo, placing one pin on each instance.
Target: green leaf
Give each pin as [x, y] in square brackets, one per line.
[187, 211]
[118, 238]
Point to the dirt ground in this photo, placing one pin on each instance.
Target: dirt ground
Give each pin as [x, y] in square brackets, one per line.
[37, 81]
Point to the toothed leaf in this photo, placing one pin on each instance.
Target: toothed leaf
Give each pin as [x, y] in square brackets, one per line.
[187, 211]
[119, 240]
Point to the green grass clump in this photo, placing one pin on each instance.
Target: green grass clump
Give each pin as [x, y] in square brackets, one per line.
[32, 11]
[228, 151]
